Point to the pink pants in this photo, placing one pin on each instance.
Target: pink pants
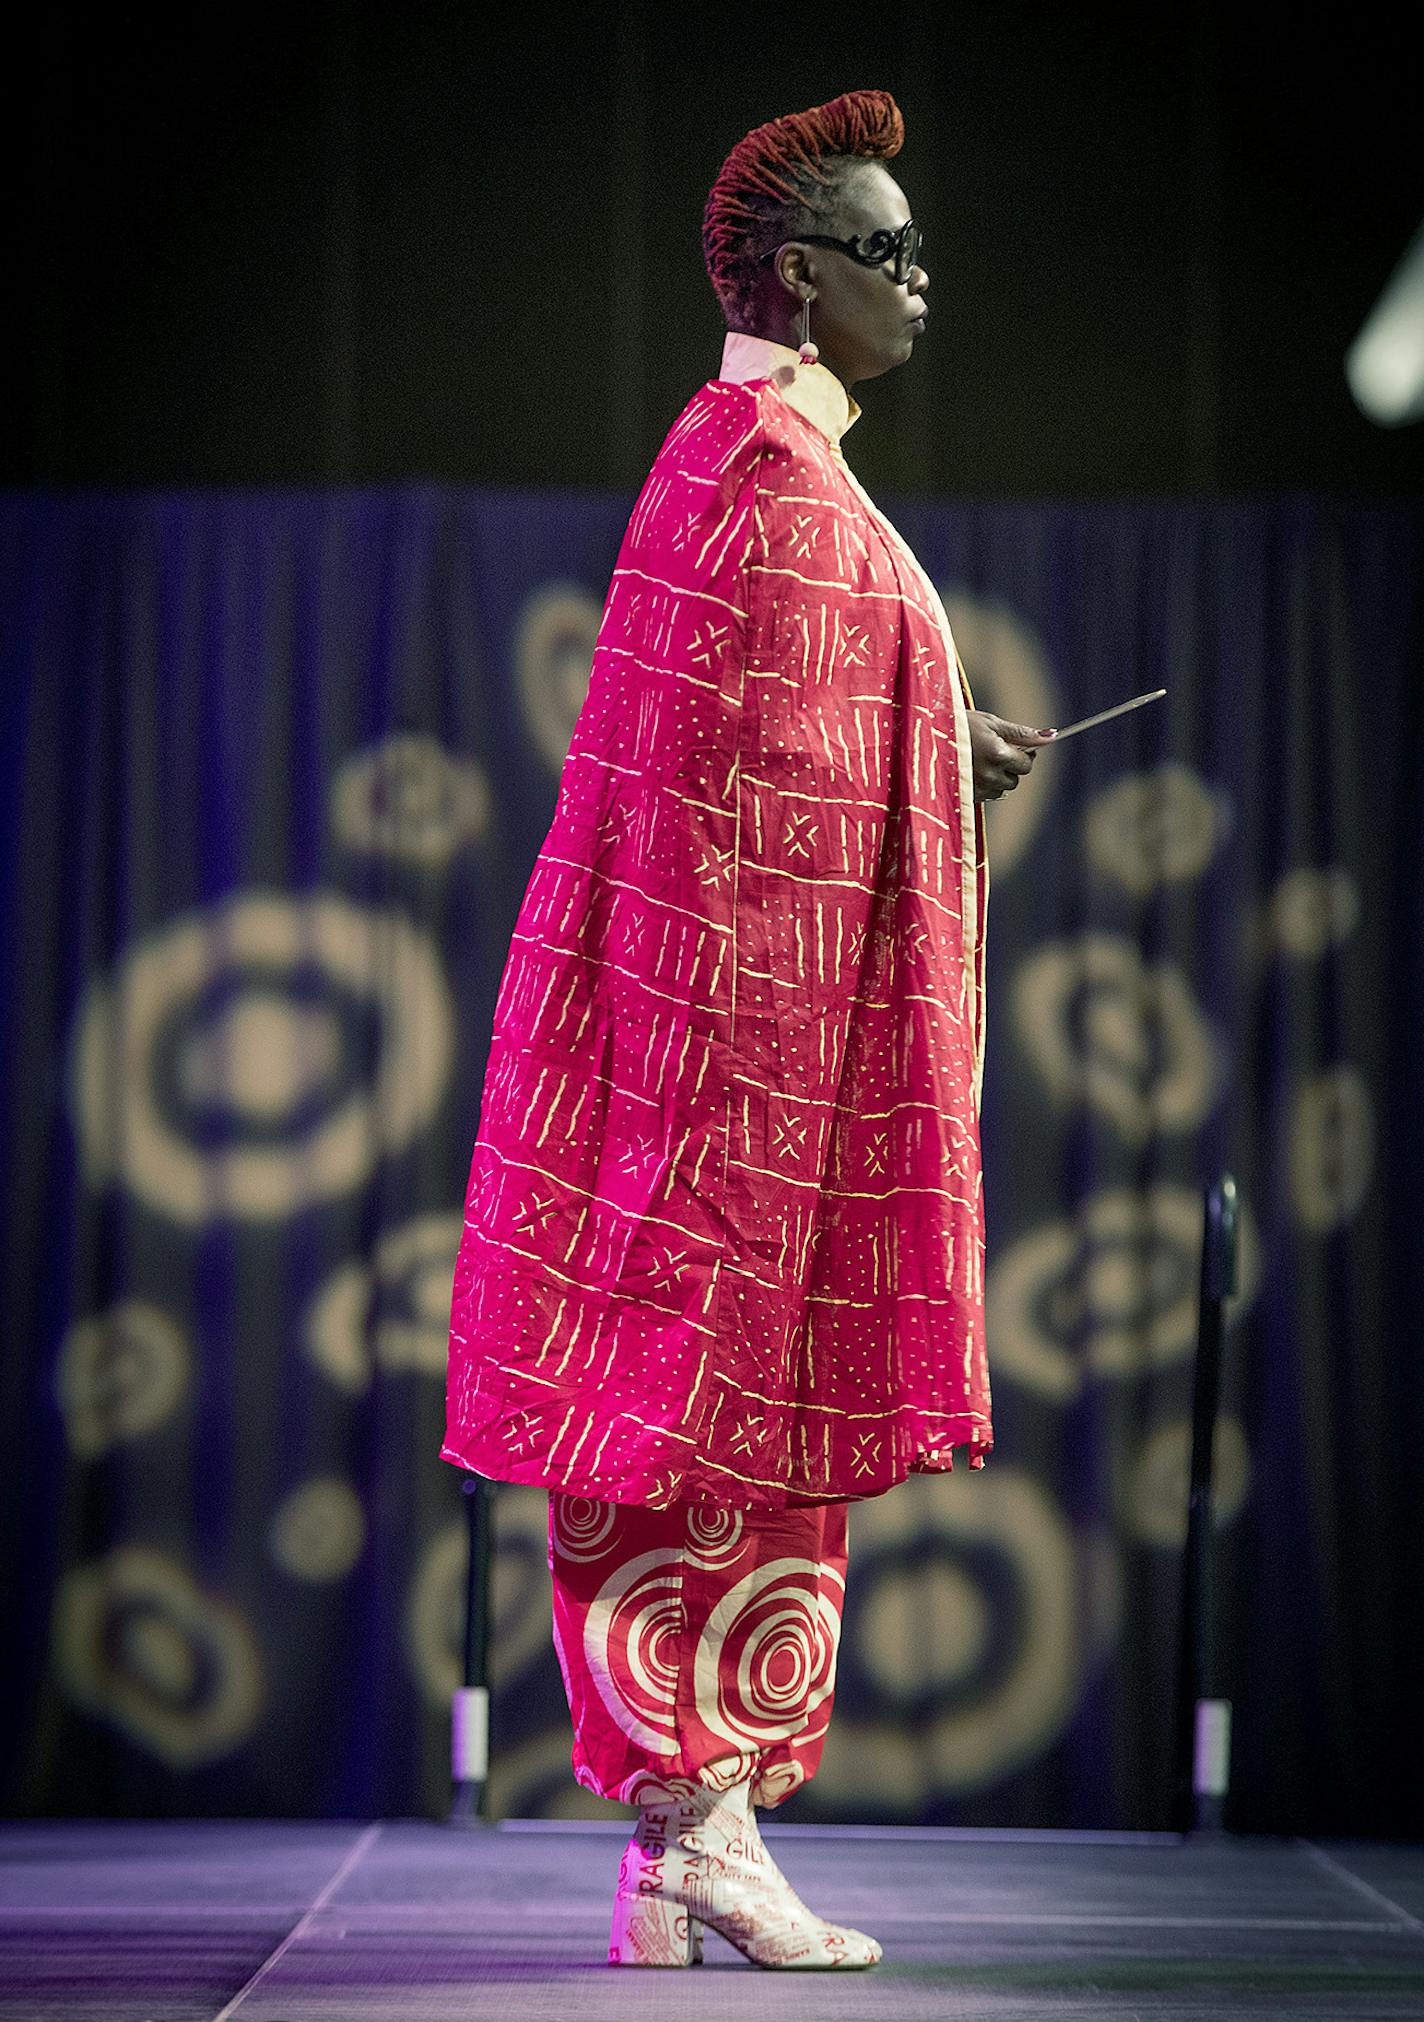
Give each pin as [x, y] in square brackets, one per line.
[697, 1642]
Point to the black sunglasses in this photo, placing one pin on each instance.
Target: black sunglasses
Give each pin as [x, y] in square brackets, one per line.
[871, 249]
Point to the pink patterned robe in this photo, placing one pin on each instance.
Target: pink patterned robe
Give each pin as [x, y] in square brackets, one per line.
[724, 1228]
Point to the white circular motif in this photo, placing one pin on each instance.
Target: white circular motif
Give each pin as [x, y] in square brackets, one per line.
[1109, 1292]
[1157, 1484]
[928, 1622]
[553, 656]
[1314, 910]
[582, 1526]
[139, 1644]
[984, 1727]
[724, 1772]
[409, 798]
[631, 1638]
[777, 1781]
[1332, 1147]
[519, 1595]
[1104, 1029]
[318, 1532]
[714, 1536]
[399, 1308]
[765, 1664]
[1155, 828]
[260, 1055]
[120, 1374]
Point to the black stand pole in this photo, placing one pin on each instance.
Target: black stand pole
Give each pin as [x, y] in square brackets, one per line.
[1203, 1739]
[469, 1715]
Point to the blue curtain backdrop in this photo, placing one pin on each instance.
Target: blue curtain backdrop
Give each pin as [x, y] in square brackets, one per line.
[276, 768]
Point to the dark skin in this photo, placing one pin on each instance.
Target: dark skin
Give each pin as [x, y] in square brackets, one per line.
[864, 322]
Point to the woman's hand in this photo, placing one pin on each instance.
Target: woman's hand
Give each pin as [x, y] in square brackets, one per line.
[1003, 752]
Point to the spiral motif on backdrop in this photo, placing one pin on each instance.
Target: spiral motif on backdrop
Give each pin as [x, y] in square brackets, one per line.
[714, 1536]
[399, 1306]
[582, 1526]
[1110, 1292]
[318, 1532]
[260, 1055]
[1312, 911]
[1008, 670]
[946, 1722]
[120, 1374]
[138, 1644]
[1104, 1029]
[410, 799]
[519, 1597]
[553, 658]
[1155, 828]
[1155, 1487]
[765, 1662]
[630, 1644]
[1331, 1147]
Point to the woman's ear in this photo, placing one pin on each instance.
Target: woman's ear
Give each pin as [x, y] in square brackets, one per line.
[791, 270]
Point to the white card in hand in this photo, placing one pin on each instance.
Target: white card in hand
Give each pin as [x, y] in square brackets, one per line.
[1118, 709]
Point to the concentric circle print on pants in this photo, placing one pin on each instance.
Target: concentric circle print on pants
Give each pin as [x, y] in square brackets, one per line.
[714, 1536]
[259, 1055]
[630, 1639]
[765, 1663]
[581, 1528]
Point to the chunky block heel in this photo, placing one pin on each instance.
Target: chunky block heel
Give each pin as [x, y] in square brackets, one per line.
[697, 1858]
[649, 1930]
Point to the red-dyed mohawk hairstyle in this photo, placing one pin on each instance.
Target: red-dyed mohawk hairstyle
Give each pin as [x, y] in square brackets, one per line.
[767, 188]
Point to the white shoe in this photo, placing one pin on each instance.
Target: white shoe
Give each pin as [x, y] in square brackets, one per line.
[697, 1858]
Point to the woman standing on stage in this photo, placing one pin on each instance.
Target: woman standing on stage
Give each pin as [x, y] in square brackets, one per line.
[722, 1265]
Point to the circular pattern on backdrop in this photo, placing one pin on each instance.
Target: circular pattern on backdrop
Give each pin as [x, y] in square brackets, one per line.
[1155, 828]
[175, 1670]
[553, 657]
[260, 1055]
[119, 1375]
[1008, 670]
[928, 1620]
[410, 799]
[1103, 1028]
[394, 1313]
[1331, 1147]
[1312, 911]
[1108, 1293]
[582, 1527]
[520, 1599]
[318, 1532]
[630, 1645]
[1152, 1500]
[765, 1661]
[714, 1536]
[949, 1728]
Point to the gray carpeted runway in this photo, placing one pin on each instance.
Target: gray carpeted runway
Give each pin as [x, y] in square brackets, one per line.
[310, 1923]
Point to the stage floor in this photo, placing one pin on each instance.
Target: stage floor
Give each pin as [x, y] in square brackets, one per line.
[311, 1923]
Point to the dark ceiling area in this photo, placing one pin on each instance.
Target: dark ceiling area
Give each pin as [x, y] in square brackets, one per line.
[358, 244]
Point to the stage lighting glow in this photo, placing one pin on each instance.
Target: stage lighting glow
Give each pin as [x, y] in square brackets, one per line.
[1385, 364]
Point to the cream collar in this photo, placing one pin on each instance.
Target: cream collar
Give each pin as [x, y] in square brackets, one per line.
[813, 390]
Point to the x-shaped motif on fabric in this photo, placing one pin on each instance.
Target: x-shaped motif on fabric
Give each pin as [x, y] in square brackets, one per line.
[789, 1135]
[533, 1215]
[801, 832]
[706, 641]
[716, 865]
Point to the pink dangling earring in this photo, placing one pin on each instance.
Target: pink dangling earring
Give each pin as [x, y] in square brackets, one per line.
[808, 353]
